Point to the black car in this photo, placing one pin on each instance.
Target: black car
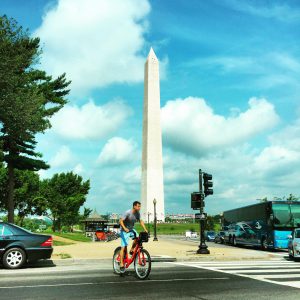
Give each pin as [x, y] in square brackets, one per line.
[18, 246]
[220, 237]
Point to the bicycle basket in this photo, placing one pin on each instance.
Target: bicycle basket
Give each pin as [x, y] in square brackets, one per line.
[143, 237]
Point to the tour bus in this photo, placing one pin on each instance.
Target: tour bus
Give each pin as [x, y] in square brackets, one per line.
[267, 224]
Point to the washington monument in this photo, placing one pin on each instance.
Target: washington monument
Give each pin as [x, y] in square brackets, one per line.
[152, 164]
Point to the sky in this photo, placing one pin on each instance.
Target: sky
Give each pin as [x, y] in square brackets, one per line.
[230, 95]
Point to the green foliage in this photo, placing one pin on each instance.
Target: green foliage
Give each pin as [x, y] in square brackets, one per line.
[65, 194]
[28, 200]
[28, 99]
[292, 197]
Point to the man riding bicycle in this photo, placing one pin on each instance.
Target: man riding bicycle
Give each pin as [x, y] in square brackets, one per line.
[127, 222]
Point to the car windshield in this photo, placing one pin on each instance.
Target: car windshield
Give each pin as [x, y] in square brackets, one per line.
[297, 234]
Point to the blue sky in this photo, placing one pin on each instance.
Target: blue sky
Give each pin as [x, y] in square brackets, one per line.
[229, 95]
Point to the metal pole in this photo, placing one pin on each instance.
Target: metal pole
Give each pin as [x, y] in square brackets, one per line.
[155, 221]
[148, 224]
[202, 247]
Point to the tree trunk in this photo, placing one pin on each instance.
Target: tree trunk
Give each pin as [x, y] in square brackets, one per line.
[54, 224]
[10, 193]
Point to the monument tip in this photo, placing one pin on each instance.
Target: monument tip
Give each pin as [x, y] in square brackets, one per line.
[151, 54]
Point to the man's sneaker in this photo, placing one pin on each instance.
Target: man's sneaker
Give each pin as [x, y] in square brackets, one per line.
[122, 269]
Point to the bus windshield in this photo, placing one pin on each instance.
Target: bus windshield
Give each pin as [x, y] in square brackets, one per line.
[282, 215]
[295, 210]
[286, 215]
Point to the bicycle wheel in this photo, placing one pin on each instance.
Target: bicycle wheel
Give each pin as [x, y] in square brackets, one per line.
[142, 264]
[116, 261]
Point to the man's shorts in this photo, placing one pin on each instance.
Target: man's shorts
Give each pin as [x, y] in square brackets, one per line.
[126, 236]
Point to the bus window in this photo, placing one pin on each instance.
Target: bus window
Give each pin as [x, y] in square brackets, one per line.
[282, 215]
[297, 234]
[295, 209]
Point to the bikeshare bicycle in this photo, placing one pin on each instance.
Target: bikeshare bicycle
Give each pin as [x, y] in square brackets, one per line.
[140, 257]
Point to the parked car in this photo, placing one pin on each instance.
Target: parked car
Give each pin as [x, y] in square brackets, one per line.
[18, 246]
[294, 244]
[210, 236]
[220, 237]
[191, 235]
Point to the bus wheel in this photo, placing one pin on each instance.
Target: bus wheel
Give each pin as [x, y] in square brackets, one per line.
[264, 244]
[234, 241]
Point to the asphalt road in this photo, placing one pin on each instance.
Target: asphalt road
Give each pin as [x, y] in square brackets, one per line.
[167, 281]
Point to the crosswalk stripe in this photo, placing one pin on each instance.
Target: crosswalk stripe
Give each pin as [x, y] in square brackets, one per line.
[288, 271]
[260, 271]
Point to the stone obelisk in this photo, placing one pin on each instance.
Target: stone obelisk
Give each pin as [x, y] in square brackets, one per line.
[152, 163]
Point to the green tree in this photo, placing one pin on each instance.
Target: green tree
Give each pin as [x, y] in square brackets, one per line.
[28, 199]
[86, 212]
[292, 197]
[265, 199]
[65, 194]
[28, 99]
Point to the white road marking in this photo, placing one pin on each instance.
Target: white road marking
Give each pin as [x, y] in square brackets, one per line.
[250, 270]
[112, 282]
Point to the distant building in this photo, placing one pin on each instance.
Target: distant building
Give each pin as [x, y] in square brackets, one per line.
[179, 218]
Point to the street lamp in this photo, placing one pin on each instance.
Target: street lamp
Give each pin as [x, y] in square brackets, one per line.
[149, 224]
[155, 220]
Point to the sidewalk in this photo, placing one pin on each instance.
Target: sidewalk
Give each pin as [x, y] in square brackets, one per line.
[164, 247]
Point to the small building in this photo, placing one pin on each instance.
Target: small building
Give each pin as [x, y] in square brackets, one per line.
[96, 222]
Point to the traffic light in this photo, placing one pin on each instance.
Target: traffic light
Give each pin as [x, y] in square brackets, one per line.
[207, 184]
[197, 200]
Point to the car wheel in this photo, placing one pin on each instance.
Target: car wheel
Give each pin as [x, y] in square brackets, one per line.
[14, 258]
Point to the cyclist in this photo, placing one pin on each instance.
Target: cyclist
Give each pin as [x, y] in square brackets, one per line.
[127, 222]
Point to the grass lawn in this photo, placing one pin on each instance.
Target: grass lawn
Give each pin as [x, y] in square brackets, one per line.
[167, 228]
[171, 228]
[74, 236]
[60, 243]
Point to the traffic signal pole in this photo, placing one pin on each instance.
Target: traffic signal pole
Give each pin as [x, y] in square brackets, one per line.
[203, 249]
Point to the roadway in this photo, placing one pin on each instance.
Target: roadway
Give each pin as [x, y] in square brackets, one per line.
[181, 280]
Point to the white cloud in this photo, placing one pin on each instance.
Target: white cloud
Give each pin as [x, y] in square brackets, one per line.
[191, 126]
[62, 158]
[133, 176]
[117, 151]
[90, 121]
[78, 169]
[96, 42]
[269, 9]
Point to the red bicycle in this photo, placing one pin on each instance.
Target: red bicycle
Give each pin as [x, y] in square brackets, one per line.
[140, 257]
